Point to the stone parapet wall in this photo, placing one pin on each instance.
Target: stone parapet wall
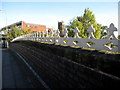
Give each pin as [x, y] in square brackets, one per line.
[66, 67]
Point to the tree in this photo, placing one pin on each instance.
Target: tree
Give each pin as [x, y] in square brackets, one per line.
[26, 31]
[83, 23]
[15, 32]
[71, 33]
[104, 33]
[118, 36]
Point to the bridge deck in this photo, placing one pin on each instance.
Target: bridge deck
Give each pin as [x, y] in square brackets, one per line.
[12, 74]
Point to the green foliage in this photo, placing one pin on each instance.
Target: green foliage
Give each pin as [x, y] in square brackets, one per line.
[103, 33]
[71, 33]
[83, 23]
[15, 32]
[118, 36]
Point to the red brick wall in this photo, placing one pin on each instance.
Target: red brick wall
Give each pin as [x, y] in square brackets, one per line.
[33, 27]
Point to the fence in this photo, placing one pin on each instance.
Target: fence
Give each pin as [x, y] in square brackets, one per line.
[110, 44]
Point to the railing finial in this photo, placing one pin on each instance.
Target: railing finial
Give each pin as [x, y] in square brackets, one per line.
[51, 33]
[76, 30]
[90, 31]
[42, 34]
[58, 33]
[46, 33]
[66, 33]
[111, 30]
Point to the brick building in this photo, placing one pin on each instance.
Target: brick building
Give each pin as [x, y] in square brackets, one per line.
[23, 25]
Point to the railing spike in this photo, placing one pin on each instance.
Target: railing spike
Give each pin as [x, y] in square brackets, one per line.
[76, 30]
[51, 33]
[58, 33]
[46, 33]
[111, 30]
[66, 32]
[90, 31]
[42, 34]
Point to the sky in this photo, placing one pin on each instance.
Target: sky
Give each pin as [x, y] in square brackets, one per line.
[49, 13]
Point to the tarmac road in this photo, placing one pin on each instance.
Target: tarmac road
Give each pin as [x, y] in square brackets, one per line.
[12, 74]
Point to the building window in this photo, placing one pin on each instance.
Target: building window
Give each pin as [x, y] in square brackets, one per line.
[28, 25]
[36, 26]
[31, 26]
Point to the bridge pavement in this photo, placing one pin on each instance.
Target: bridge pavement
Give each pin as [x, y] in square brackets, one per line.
[12, 74]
